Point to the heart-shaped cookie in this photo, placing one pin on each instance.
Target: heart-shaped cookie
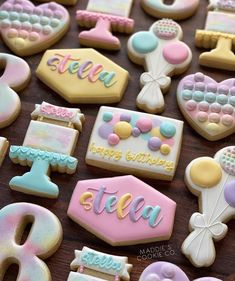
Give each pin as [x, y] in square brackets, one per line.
[27, 29]
[207, 105]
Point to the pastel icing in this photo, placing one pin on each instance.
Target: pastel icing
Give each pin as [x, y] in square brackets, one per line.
[145, 144]
[43, 240]
[207, 105]
[165, 271]
[137, 212]
[104, 17]
[3, 148]
[83, 76]
[155, 45]
[116, 267]
[27, 29]
[218, 35]
[63, 2]
[178, 10]
[47, 146]
[217, 205]
[14, 78]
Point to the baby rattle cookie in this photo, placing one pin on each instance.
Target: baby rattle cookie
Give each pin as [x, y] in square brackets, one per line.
[178, 10]
[48, 145]
[105, 16]
[43, 240]
[213, 181]
[4, 144]
[153, 50]
[15, 77]
[28, 30]
[83, 76]
[135, 143]
[92, 265]
[122, 210]
[207, 105]
[219, 35]
[162, 271]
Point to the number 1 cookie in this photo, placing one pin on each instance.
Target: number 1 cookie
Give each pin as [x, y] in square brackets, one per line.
[153, 50]
[213, 181]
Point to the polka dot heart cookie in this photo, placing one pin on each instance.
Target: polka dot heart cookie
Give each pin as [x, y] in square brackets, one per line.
[27, 29]
[213, 181]
[136, 143]
[153, 50]
[208, 106]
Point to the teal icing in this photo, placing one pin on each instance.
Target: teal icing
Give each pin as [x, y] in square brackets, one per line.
[144, 42]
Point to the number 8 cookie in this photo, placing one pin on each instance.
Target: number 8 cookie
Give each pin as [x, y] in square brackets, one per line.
[15, 77]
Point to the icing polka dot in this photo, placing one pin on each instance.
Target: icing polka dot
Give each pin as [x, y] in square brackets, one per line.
[232, 91]
[199, 86]
[232, 100]
[38, 11]
[188, 85]
[47, 30]
[58, 15]
[213, 128]
[203, 106]
[227, 120]
[215, 107]
[198, 96]
[222, 99]
[210, 97]
[23, 34]
[205, 173]
[108, 116]
[144, 42]
[44, 20]
[12, 33]
[48, 13]
[165, 149]
[16, 24]
[3, 15]
[187, 94]
[113, 139]
[33, 36]
[229, 193]
[168, 271]
[27, 26]
[202, 116]
[223, 89]
[144, 124]
[227, 160]
[199, 77]
[191, 105]
[154, 143]
[155, 132]
[123, 129]
[125, 117]
[212, 87]
[19, 42]
[14, 15]
[105, 130]
[167, 129]
[227, 109]
[34, 19]
[166, 29]
[5, 23]
[37, 27]
[214, 118]
[54, 23]
[136, 132]
[179, 55]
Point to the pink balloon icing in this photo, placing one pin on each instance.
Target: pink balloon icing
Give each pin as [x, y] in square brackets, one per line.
[175, 53]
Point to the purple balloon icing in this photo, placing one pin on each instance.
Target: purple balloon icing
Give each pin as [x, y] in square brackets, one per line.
[154, 143]
[160, 271]
[208, 279]
[105, 130]
[229, 193]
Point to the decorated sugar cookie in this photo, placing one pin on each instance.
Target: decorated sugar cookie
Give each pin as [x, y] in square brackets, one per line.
[15, 77]
[43, 240]
[218, 35]
[153, 50]
[92, 265]
[104, 16]
[213, 181]
[27, 29]
[178, 10]
[135, 143]
[63, 2]
[207, 105]
[4, 144]
[162, 271]
[48, 145]
[122, 210]
[83, 76]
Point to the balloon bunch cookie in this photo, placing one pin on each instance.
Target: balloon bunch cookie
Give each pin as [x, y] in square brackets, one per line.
[207, 105]
[92, 265]
[49, 142]
[105, 16]
[154, 50]
[213, 180]
[218, 35]
[178, 10]
[28, 30]
[16, 75]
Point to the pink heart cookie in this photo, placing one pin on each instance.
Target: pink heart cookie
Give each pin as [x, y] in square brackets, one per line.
[27, 29]
[207, 105]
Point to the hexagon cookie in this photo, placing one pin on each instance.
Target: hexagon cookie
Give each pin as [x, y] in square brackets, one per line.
[122, 210]
[83, 76]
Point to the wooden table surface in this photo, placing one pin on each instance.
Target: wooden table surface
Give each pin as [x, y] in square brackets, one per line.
[75, 237]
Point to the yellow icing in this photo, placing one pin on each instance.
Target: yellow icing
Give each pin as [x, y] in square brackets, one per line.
[213, 128]
[83, 200]
[123, 129]
[165, 149]
[205, 173]
[123, 203]
[155, 132]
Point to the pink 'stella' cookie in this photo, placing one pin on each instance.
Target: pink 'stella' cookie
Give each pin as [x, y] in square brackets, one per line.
[213, 181]
[43, 240]
[27, 29]
[207, 105]
[122, 210]
[154, 50]
[105, 16]
[165, 271]
[15, 77]
[92, 265]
